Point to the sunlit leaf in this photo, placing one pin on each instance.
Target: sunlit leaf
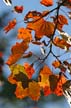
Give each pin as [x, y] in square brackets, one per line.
[60, 21]
[61, 43]
[47, 2]
[41, 28]
[24, 33]
[43, 76]
[17, 52]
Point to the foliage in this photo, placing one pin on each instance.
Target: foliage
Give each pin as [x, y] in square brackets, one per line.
[22, 75]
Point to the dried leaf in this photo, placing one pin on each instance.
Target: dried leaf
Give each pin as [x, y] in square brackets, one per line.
[11, 25]
[47, 2]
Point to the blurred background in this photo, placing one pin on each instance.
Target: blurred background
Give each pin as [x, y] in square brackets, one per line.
[7, 97]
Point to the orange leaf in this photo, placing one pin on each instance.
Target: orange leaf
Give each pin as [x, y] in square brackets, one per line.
[24, 33]
[61, 43]
[43, 77]
[20, 91]
[50, 82]
[10, 25]
[17, 52]
[29, 69]
[56, 64]
[55, 86]
[34, 90]
[61, 21]
[59, 91]
[47, 2]
[41, 28]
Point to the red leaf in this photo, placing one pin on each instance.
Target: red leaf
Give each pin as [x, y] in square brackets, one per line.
[47, 2]
[10, 25]
[18, 9]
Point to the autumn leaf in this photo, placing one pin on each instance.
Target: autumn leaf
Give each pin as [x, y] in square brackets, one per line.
[47, 2]
[25, 86]
[17, 52]
[61, 43]
[20, 91]
[43, 76]
[35, 15]
[15, 69]
[32, 14]
[34, 90]
[60, 21]
[56, 63]
[50, 83]
[24, 33]
[19, 77]
[55, 85]
[29, 69]
[41, 28]
[59, 90]
[47, 91]
[11, 25]
[18, 9]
